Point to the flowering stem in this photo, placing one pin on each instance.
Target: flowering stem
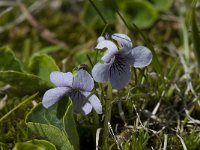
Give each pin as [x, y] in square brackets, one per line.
[107, 115]
[100, 14]
[104, 30]
[135, 73]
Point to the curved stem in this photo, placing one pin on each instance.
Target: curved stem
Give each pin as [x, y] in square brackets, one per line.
[18, 106]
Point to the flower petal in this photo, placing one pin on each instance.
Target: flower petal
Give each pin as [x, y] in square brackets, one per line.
[61, 79]
[123, 39]
[139, 57]
[100, 72]
[83, 81]
[111, 49]
[96, 104]
[78, 100]
[53, 95]
[94, 101]
[87, 108]
[101, 38]
[119, 75]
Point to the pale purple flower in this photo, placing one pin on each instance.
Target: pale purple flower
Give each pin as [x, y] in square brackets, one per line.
[78, 88]
[116, 63]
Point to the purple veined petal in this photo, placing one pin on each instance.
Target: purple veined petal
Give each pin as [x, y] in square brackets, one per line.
[111, 49]
[96, 104]
[61, 79]
[100, 72]
[139, 57]
[78, 100]
[101, 38]
[119, 74]
[54, 95]
[87, 108]
[124, 40]
[83, 81]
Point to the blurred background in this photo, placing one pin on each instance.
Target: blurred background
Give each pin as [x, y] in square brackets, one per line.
[66, 29]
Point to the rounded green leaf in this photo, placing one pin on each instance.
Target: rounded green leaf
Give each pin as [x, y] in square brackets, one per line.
[141, 13]
[8, 61]
[34, 145]
[52, 134]
[42, 65]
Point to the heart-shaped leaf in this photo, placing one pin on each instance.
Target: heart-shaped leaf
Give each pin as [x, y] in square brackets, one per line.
[52, 134]
[59, 116]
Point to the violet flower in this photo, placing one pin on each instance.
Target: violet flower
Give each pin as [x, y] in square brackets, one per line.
[116, 63]
[78, 88]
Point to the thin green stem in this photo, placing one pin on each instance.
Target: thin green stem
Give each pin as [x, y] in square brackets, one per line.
[18, 106]
[100, 14]
[89, 59]
[107, 115]
[104, 30]
[135, 73]
[96, 56]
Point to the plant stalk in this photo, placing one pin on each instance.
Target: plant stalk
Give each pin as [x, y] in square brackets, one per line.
[107, 115]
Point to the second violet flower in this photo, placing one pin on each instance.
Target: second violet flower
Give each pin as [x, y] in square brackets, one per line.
[116, 66]
[78, 88]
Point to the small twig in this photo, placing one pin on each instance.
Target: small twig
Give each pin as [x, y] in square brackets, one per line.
[121, 112]
[182, 142]
[152, 116]
[44, 32]
[3, 102]
[97, 137]
[6, 11]
[113, 135]
[187, 74]
[165, 142]
[192, 120]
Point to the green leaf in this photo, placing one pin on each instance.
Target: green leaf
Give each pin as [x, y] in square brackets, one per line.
[8, 60]
[45, 116]
[25, 82]
[42, 65]
[52, 134]
[162, 5]
[34, 145]
[54, 116]
[70, 126]
[195, 35]
[141, 13]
